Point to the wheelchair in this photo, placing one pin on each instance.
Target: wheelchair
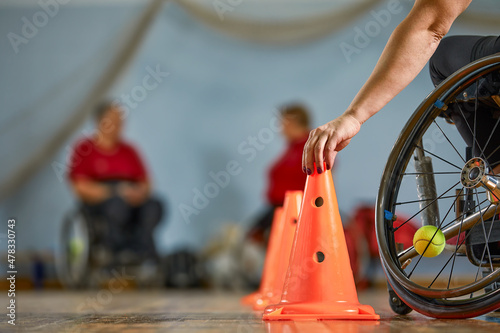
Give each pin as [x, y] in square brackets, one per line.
[85, 261]
[433, 176]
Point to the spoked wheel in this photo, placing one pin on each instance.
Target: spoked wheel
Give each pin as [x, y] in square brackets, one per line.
[73, 262]
[433, 179]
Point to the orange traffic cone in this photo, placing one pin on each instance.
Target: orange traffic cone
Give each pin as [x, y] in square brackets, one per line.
[271, 260]
[271, 292]
[328, 326]
[319, 282]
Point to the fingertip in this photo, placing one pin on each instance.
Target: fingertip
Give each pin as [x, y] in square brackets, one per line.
[319, 167]
[332, 160]
[329, 161]
[329, 164]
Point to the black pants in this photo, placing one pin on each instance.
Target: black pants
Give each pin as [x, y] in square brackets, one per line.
[127, 226]
[453, 53]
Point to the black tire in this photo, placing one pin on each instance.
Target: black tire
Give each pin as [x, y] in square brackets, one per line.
[73, 259]
[469, 299]
[441, 309]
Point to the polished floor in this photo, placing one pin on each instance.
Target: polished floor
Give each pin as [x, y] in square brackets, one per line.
[113, 309]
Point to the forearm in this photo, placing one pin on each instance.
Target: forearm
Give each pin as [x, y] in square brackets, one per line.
[408, 50]
[401, 61]
[135, 193]
[145, 188]
[91, 191]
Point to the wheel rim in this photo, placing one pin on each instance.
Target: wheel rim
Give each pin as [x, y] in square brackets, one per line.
[74, 250]
[394, 177]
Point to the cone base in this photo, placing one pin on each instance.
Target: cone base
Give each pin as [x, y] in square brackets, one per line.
[320, 311]
[263, 302]
[251, 299]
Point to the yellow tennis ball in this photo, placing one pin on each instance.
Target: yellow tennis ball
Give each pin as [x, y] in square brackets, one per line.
[429, 234]
[76, 247]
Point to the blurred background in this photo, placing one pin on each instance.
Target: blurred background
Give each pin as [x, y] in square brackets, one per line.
[220, 70]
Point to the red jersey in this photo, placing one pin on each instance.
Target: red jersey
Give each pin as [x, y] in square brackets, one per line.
[121, 163]
[286, 173]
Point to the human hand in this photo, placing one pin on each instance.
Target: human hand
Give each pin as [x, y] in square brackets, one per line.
[326, 141]
[134, 194]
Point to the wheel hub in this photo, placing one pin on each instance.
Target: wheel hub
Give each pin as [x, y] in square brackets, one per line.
[473, 172]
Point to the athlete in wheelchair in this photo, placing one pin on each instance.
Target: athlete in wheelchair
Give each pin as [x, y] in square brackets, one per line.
[114, 221]
[443, 169]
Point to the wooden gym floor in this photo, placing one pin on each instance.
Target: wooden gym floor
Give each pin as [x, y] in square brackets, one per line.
[115, 310]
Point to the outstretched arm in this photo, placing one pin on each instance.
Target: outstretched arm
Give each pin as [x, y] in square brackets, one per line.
[409, 48]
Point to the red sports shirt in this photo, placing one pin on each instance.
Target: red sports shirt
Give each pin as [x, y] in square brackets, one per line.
[286, 173]
[121, 163]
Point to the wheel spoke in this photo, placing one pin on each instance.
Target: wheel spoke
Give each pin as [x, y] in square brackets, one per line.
[435, 233]
[449, 141]
[442, 159]
[475, 120]
[456, 219]
[461, 243]
[470, 129]
[486, 239]
[494, 151]
[491, 134]
[484, 249]
[488, 190]
[433, 201]
[422, 200]
[454, 255]
[431, 173]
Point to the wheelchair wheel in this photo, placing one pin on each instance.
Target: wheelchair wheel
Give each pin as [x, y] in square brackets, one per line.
[73, 262]
[434, 179]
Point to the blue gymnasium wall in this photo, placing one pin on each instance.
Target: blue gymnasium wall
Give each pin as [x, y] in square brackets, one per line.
[218, 93]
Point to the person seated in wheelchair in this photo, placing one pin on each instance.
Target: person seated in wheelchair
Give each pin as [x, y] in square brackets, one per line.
[478, 105]
[477, 111]
[110, 180]
[409, 48]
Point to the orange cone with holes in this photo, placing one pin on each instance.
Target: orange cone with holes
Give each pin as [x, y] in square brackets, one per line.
[319, 283]
[271, 258]
[271, 293]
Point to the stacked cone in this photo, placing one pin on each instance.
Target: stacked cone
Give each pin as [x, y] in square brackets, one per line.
[278, 253]
[319, 283]
[271, 259]
[273, 287]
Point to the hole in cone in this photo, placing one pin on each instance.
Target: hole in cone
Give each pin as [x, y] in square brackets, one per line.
[294, 221]
[320, 256]
[318, 202]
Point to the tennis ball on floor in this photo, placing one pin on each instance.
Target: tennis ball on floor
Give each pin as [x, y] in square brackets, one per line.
[429, 234]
